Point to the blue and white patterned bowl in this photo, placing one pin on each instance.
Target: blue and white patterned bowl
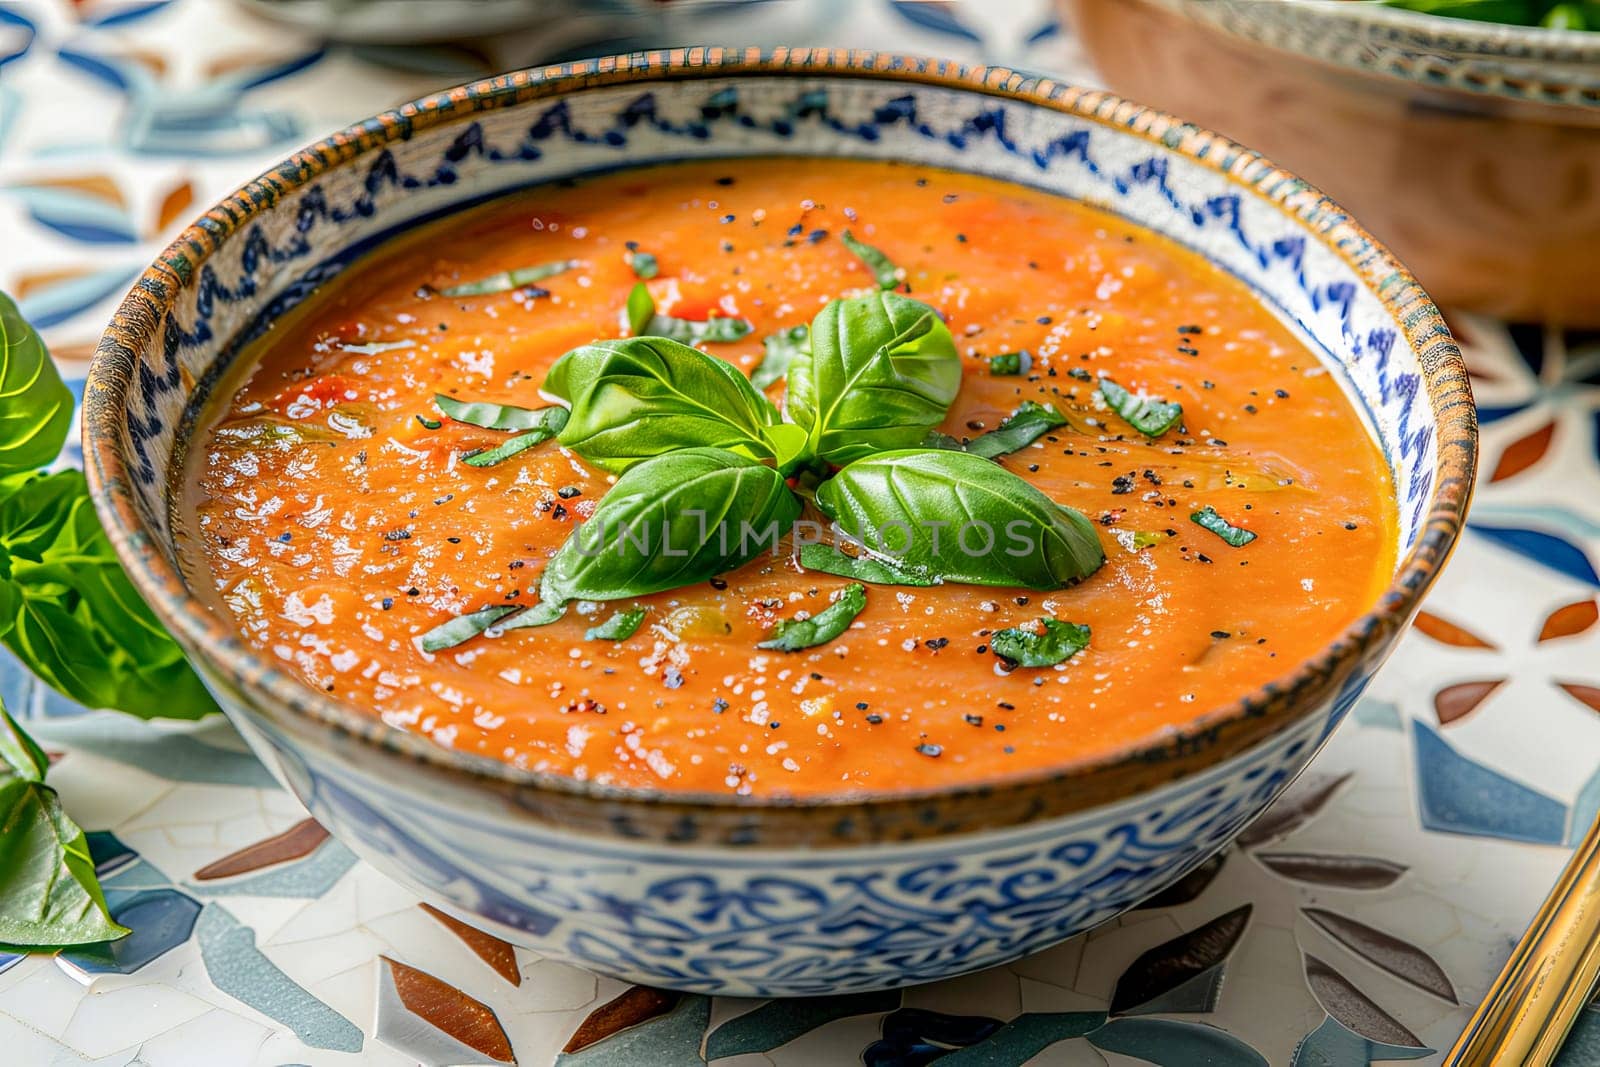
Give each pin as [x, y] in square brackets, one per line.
[749, 895]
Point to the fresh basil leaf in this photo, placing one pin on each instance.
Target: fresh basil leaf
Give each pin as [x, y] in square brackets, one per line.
[881, 372]
[780, 350]
[1237, 536]
[520, 443]
[500, 416]
[962, 519]
[672, 520]
[73, 617]
[1010, 364]
[644, 321]
[793, 635]
[1019, 429]
[35, 405]
[644, 396]
[788, 443]
[879, 570]
[644, 265]
[620, 627]
[49, 895]
[884, 272]
[1151, 416]
[508, 280]
[464, 628]
[1053, 642]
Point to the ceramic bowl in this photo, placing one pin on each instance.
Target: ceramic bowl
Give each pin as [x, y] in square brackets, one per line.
[1472, 149]
[753, 896]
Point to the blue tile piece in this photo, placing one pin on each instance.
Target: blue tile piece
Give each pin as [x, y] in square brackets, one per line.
[1584, 809]
[160, 921]
[1378, 713]
[1459, 796]
[108, 852]
[671, 1040]
[1025, 1037]
[1168, 1041]
[779, 1022]
[238, 968]
[175, 756]
[1554, 552]
[303, 879]
[1332, 1045]
[9, 960]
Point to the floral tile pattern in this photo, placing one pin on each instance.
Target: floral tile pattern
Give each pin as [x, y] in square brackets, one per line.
[1357, 922]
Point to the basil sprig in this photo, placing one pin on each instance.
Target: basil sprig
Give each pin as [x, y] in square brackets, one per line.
[463, 628]
[670, 521]
[1053, 642]
[49, 895]
[794, 635]
[960, 518]
[1207, 518]
[67, 609]
[882, 372]
[1150, 415]
[645, 396]
[645, 321]
[508, 280]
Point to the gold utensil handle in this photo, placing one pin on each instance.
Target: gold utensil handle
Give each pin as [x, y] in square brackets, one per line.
[1550, 975]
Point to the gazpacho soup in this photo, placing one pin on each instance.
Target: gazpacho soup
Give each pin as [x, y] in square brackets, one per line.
[786, 477]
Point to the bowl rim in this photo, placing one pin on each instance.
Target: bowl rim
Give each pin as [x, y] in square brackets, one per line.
[1083, 783]
[1464, 38]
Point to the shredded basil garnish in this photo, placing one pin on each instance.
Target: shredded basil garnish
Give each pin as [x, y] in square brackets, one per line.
[1010, 364]
[1019, 429]
[620, 627]
[427, 423]
[520, 443]
[792, 635]
[866, 568]
[464, 628]
[644, 265]
[498, 416]
[644, 321]
[781, 348]
[1138, 540]
[1054, 642]
[1237, 536]
[1149, 415]
[882, 267]
[508, 280]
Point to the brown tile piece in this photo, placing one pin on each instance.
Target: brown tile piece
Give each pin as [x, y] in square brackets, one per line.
[1570, 620]
[1446, 632]
[1523, 453]
[442, 1005]
[1457, 701]
[1586, 694]
[488, 948]
[298, 840]
[634, 1006]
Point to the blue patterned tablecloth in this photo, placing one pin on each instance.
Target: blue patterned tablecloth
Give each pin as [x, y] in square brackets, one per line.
[1357, 922]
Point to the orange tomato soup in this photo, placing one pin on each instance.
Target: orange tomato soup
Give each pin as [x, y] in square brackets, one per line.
[336, 526]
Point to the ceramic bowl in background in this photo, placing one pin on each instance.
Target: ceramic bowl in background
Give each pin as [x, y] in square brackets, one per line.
[1470, 148]
[751, 895]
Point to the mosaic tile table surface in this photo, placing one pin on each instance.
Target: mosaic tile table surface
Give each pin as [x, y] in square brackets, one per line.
[1356, 923]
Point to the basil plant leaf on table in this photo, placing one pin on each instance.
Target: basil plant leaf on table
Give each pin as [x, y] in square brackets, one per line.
[70, 614]
[712, 475]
